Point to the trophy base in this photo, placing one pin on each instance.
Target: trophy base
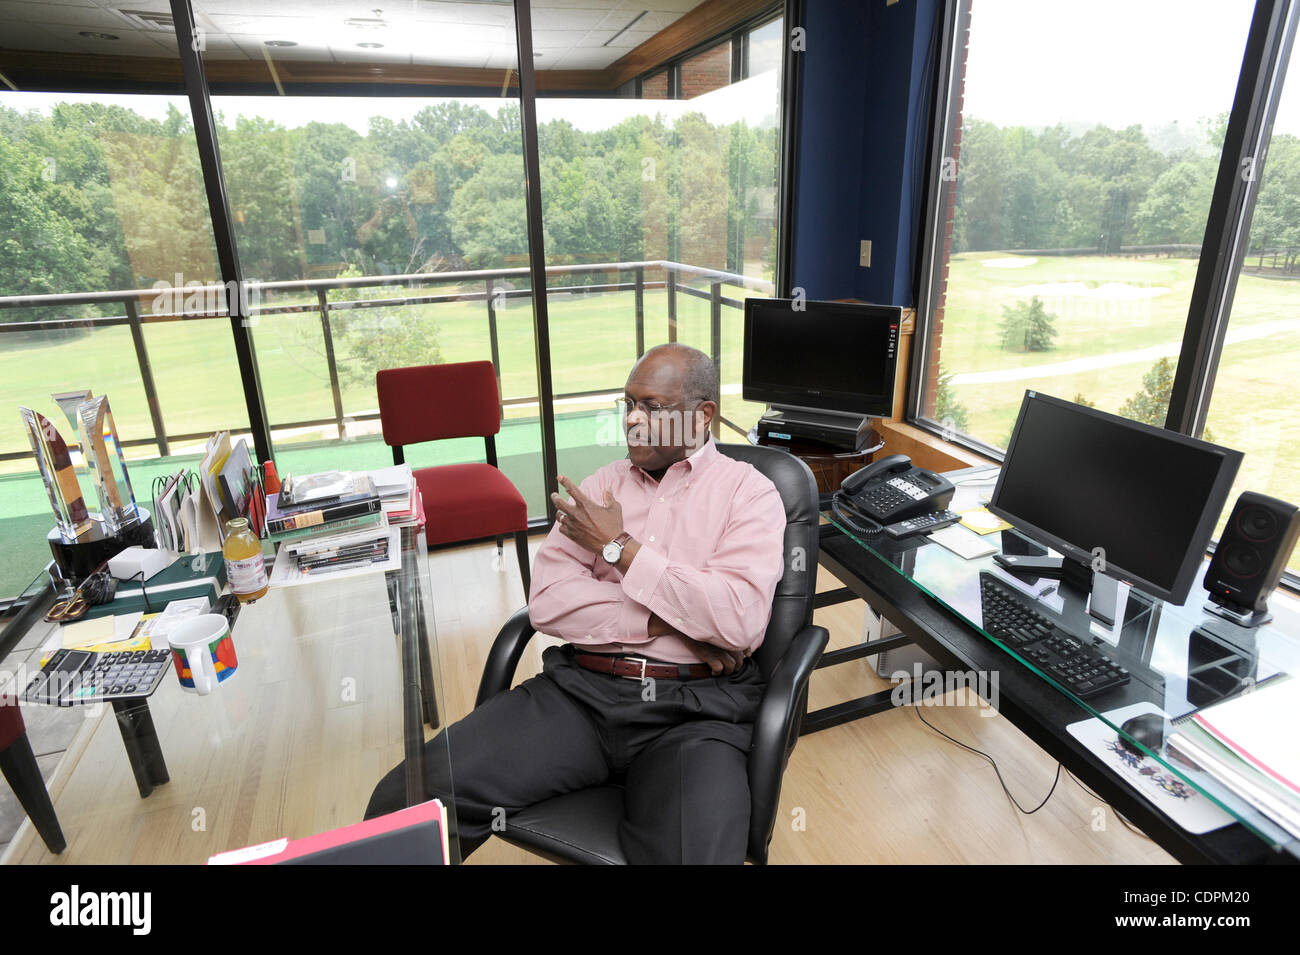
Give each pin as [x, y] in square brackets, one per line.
[81, 558]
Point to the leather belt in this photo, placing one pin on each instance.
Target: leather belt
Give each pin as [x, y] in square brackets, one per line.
[638, 668]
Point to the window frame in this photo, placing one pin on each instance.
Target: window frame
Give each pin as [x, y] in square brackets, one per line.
[1264, 62]
[1268, 47]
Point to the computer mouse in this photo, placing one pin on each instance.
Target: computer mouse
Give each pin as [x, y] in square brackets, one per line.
[1148, 729]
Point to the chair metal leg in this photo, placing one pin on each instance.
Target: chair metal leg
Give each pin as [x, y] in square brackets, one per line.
[521, 550]
[18, 763]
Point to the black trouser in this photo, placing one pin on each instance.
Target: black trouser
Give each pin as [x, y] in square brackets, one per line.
[681, 751]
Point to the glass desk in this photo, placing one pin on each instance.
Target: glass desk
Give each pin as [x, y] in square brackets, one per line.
[335, 681]
[1181, 658]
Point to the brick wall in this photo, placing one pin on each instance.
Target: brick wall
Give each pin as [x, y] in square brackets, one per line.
[655, 87]
[707, 71]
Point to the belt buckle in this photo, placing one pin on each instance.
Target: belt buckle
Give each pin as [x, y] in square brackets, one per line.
[643, 661]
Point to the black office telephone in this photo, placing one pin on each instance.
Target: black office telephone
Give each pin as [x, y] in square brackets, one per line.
[888, 491]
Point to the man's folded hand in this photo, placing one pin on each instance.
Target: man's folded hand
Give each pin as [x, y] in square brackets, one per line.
[720, 661]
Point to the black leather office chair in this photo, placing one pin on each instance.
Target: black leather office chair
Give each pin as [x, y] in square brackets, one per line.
[583, 826]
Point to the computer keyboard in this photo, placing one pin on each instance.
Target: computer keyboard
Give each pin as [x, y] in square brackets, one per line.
[1073, 660]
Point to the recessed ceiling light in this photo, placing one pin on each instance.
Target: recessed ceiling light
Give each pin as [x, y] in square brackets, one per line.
[92, 35]
[280, 42]
[371, 46]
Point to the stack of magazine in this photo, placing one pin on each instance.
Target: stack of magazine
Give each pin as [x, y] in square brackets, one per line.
[1249, 744]
[329, 525]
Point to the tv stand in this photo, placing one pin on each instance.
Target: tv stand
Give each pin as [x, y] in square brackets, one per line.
[785, 425]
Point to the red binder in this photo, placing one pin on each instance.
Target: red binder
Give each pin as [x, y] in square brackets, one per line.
[413, 836]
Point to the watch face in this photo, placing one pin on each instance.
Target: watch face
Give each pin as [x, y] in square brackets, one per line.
[612, 552]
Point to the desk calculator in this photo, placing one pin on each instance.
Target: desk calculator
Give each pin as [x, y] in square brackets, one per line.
[74, 677]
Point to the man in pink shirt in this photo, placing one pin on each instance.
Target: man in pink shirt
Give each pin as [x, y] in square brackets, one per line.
[659, 575]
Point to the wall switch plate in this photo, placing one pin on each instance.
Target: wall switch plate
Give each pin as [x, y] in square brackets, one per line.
[864, 254]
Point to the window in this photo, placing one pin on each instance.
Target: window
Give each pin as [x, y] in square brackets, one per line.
[1252, 407]
[677, 191]
[1074, 194]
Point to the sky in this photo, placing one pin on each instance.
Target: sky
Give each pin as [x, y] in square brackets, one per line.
[1120, 62]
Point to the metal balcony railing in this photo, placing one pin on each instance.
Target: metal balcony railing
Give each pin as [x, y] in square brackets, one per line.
[136, 315]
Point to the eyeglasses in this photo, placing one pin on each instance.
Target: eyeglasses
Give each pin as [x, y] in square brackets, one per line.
[652, 408]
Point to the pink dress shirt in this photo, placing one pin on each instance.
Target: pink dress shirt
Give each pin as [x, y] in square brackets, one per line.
[712, 537]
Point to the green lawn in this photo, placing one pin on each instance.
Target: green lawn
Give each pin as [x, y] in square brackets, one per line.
[1250, 410]
[593, 345]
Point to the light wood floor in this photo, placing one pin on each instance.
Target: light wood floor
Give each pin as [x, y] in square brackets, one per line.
[881, 790]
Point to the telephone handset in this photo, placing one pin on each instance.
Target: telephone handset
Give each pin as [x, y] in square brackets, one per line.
[887, 491]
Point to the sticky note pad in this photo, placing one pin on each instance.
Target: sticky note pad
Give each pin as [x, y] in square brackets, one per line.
[87, 632]
[982, 521]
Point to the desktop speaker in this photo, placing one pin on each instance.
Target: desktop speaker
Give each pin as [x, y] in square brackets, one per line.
[1253, 552]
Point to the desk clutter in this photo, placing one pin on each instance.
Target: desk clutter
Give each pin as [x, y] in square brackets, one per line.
[340, 523]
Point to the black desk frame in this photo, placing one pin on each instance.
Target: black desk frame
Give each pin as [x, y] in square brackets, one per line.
[1036, 708]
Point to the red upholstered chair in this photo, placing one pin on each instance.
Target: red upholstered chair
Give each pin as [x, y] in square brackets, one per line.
[461, 501]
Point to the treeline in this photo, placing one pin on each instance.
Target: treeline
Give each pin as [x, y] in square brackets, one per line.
[99, 197]
[1106, 189]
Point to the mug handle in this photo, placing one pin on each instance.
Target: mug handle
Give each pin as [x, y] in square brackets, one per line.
[203, 682]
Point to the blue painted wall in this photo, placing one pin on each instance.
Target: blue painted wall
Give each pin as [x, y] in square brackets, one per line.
[860, 147]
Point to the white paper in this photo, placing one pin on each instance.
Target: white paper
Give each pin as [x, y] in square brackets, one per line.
[963, 543]
[392, 482]
[124, 625]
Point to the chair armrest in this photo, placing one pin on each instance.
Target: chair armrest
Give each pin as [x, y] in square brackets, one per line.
[775, 730]
[503, 658]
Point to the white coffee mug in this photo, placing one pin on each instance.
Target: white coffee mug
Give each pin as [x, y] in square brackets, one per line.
[203, 652]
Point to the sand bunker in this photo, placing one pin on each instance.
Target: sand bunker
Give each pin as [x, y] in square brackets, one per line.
[1110, 292]
[1011, 262]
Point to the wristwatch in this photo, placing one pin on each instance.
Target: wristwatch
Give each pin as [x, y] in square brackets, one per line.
[613, 551]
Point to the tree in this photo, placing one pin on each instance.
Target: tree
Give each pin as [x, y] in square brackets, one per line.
[1151, 404]
[948, 411]
[1079, 399]
[371, 339]
[1028, 326]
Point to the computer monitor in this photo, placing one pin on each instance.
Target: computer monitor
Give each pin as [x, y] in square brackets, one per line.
[1136, 501]
[828, 356]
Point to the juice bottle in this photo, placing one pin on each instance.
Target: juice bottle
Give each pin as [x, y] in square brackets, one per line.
[245, 568]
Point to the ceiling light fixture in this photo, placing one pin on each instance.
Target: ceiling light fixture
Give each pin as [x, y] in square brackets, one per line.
[280, 42]
[631, 23]
[92, 35]
[371, 46]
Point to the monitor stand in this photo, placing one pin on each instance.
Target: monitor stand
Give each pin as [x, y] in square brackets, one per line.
[819, 416]
[1104, 602]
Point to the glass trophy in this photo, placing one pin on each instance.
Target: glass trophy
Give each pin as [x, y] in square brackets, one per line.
[70, 402]
[60, 477]
[103, 452]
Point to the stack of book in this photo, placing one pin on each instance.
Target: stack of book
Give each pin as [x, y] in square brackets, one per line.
[323, 555]
[329, 525]
[400, 495]
[323, 504]
[1249, 744]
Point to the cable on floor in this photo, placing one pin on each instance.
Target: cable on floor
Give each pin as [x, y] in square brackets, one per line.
[994, 763]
